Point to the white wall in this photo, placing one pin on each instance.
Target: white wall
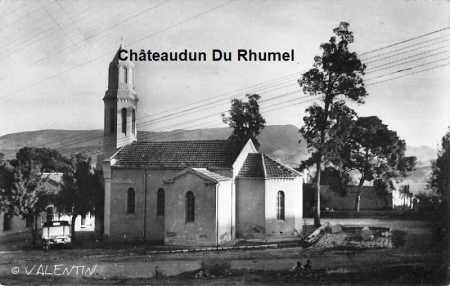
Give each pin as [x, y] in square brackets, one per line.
[225, 211]
[293, 195]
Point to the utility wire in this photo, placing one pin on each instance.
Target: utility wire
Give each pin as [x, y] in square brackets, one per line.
[201, 106]
[402, 70]
[406, 41]
[66, 144]
[188, 19]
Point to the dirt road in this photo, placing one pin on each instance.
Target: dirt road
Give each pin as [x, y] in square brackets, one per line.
[128, 265]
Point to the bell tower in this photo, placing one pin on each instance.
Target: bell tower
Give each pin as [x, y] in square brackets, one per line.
[120, 102]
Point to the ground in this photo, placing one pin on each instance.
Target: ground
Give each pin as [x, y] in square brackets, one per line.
[418, 259]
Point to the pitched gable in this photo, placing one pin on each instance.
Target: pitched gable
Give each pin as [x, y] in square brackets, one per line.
[259, 165]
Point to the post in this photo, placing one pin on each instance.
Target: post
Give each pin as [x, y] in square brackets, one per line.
[317, 197]
[145, 203]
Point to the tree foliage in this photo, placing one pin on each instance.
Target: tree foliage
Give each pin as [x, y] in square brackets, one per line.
[245, 119]
[376, 152]
[81, 188]
[42, 159]
[336, 76]
[440, 176]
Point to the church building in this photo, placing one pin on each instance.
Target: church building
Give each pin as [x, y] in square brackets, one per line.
[197, 193]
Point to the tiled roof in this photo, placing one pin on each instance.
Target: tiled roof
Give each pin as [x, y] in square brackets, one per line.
[275, 169]
[253, 167]
[177, 154]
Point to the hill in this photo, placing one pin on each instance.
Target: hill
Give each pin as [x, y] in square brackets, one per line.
[278, 141]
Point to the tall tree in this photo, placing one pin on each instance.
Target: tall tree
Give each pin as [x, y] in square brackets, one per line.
[80, 186]
[376, 152]
[245, 119]
[440, 176]
[336, 75]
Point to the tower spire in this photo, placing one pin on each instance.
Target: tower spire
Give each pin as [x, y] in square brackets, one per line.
[120, 103]
[122, 43]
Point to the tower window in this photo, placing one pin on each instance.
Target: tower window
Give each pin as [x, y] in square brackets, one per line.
[125, 74]
[124, 121]
[130, 201]
[190, 207]
[133, 121]
[280, 205]
[160, 203]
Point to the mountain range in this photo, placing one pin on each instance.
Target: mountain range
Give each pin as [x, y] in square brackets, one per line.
[282, 142]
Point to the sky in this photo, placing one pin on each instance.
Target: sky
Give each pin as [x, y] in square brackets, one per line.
[55, 60]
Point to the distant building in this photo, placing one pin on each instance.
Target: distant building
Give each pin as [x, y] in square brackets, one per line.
[203, 192]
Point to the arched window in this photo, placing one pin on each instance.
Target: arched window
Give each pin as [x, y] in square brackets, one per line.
[125, 74]
[112, 120]
[124, 121]
[280, 205]
[130, 201]
[160, 203]
[133, 121]
[190, 207]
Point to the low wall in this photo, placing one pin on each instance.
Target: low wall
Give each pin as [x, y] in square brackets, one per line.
[370, 199]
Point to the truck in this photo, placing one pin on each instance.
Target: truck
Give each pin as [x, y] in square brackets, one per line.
[56, 233]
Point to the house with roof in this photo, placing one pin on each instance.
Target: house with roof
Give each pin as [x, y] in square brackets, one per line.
[201, 192]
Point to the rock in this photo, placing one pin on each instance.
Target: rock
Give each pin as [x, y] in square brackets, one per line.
[336, 228]
[366, 234]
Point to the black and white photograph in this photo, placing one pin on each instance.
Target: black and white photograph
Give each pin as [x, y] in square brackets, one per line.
[224, 142]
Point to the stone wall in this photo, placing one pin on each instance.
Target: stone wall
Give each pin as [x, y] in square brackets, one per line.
[370, 199]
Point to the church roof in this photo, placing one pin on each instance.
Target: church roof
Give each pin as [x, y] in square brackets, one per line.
[276, 169]
[177, 154]
[252, 166]
[259, 165]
